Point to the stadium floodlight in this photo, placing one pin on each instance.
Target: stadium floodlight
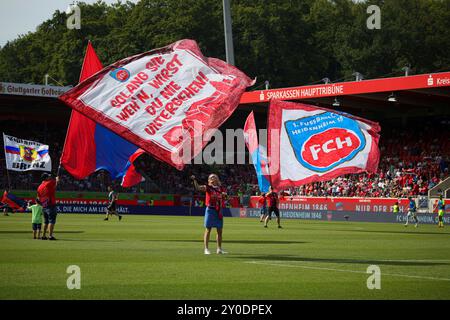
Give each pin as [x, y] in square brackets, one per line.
[336, 103]
[407, 69]
[358, 76]
[229, 50]
[392, 98]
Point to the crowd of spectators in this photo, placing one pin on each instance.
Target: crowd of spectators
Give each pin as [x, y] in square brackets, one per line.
[413, 160]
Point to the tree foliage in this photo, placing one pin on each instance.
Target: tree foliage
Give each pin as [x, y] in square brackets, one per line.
[288, 42]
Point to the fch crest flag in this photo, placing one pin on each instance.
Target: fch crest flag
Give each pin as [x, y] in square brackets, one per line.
[163, 101]
[25, 155]
[308, 144]
[257, 153]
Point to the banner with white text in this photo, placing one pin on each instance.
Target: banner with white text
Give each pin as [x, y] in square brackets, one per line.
[25, 155]
[164, 101]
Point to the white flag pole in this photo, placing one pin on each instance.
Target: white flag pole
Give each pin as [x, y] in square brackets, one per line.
[6, 167]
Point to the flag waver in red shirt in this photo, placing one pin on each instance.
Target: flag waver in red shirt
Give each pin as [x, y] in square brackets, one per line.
[47, 197]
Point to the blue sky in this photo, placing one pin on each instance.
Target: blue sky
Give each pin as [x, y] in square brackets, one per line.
[22, 16]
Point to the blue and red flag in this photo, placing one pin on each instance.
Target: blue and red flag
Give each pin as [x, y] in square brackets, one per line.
[13, 201]
[164, 100]
[309, 144]
[257, 152]
[90, 147]
[12, 150]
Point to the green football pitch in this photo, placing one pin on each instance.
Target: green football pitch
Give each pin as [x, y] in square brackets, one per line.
[161, 257]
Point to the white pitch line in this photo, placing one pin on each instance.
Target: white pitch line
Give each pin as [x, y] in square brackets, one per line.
[348, 271]
[408, 260]
[414, 260]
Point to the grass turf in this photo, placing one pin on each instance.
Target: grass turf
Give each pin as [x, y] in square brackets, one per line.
[161, 257]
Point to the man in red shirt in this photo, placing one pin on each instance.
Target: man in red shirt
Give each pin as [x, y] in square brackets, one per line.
[47, 196]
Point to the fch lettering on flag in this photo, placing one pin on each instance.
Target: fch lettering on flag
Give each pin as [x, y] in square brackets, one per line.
[308, 144]
[24, 155]
[163, 101]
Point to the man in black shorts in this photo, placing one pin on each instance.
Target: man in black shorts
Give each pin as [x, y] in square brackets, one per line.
[111, 209]
[272, 199]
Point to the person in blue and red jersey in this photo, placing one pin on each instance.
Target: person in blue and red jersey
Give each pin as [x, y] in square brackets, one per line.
[214, 202]
[273, 201]
[47, 197]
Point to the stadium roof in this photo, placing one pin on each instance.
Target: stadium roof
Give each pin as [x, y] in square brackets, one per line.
[416, 94]
[19, 101]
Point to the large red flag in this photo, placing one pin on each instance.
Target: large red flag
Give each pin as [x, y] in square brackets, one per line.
[91, 63]
[90, 147]
[164, 101]
[78, 155]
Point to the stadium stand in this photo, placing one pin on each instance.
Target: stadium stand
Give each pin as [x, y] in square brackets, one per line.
[413, 159]
[409, 168]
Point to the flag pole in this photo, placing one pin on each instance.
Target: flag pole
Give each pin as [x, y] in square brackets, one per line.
[9, 180]
[6, 167]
